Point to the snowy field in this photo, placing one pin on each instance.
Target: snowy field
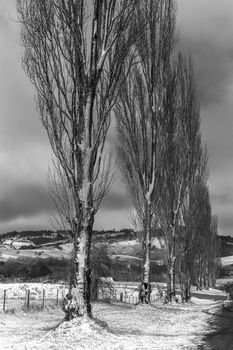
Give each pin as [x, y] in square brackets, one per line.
[227, 260]
[46, 252]
[17, 290]
[222, 282]
[203, 324]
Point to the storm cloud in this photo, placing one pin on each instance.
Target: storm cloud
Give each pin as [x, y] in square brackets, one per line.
[213, 65]
[222, 198]
[206, 29]
[116, 200]
[226, 223]
[24, 200]
[205, 32]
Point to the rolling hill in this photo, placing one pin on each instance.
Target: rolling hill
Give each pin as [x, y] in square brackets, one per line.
[123, 247]
[58, 244]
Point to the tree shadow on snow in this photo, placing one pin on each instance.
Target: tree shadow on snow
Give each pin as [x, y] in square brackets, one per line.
[219, 336]
[54, 326]
[220, 324]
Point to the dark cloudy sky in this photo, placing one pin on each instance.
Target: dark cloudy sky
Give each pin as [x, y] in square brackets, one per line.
[205, 31]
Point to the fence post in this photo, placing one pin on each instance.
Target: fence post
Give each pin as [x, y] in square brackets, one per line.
[26, 293]
[57, 297]
[4, 301]
[43, 302]
[28, 299]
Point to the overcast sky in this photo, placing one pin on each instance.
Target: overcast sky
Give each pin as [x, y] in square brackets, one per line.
[205, 31]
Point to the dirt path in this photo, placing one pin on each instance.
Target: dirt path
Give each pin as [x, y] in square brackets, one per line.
[120, 327]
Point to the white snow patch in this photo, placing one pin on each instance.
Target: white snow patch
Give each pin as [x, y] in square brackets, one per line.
[18, 290]
[227, 260]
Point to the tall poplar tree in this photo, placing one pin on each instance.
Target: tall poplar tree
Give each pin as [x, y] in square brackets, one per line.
[140, 115]
[74, 52]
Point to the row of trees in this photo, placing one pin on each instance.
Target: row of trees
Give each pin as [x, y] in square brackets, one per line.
[88, 61]
[162, 158]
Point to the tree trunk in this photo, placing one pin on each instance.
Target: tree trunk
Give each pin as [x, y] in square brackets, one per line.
[199, 275]
[185, 283]
[171, 291]
[83, 246]
[146, 265]
[83, 269]
[171, 286]
[187, 287]
[182, 287]
[145, 291]
[207, 286]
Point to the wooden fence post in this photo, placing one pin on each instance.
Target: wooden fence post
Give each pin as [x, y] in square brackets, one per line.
[43, 302]
[28, 299]
[26, 293]
[4, 301]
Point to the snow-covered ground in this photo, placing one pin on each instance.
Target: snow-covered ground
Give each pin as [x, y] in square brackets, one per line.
[14, 296]
[227, 260]
[221, 282]
[45, 252]
[18, 290]
[203, 324]
[119, 326]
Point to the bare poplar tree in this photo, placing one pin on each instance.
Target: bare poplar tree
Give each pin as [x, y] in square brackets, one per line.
[74, 51]
[198, 244]
[214, 256]
[191, 211]
[182, 143]
[140, 115]
[203, 236]
[207, 258]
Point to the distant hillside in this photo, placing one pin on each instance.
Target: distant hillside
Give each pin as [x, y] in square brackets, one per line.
[17, 239]
[123, 247]
[44, 251]
[37, 239]
[226, 245]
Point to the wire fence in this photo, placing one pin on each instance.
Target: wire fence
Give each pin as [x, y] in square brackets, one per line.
[29, 301]
[128, 295]
[25, 297]
[36, 297]
[129, 299]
